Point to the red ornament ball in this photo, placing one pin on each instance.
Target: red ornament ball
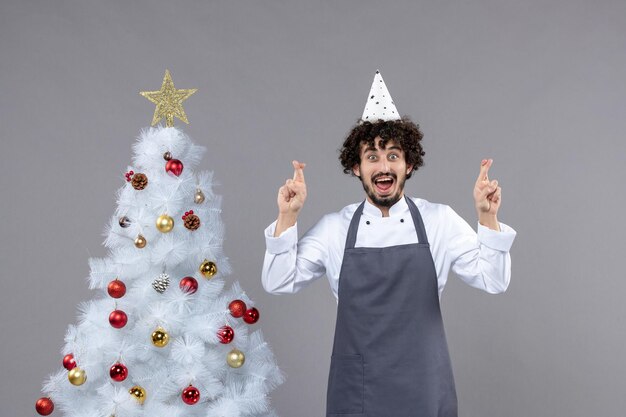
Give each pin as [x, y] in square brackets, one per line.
[251, 316]
[44, 406]
[118, 319]
[174, 166]
[69, 362]
[237, 308]
[189, 285]
[116, 288]
[191, 395]
[226, 334]
[118, 372]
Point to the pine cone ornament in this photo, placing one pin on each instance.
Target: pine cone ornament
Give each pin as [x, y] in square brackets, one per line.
[161, 283]
[192, 222]
[139, 181]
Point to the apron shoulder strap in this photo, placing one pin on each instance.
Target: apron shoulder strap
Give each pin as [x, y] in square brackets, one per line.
[417, 221]
[354, 226]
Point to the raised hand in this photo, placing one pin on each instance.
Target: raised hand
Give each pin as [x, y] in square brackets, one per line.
[291, 198]
[487, 194]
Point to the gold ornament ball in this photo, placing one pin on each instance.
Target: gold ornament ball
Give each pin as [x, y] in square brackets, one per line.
[235, 358]
[208, 269]
[165, 223]
[160, 338]
[140, 241]
[199, 197]
[77, 376]
[139, 393]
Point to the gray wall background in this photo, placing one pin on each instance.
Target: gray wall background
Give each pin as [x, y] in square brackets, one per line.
[539, 86]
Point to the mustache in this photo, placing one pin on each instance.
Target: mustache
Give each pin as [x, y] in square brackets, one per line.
[384, 174]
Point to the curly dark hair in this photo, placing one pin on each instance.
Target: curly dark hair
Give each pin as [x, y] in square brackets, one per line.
[403, 132]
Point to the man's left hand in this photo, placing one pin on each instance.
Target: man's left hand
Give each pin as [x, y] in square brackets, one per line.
[487, 194]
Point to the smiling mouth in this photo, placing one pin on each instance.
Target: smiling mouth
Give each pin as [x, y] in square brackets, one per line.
[384, 183]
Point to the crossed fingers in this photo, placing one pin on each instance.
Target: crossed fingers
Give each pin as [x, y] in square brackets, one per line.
[487, 188]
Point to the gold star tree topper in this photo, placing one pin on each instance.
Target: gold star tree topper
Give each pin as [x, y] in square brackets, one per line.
[169, 101]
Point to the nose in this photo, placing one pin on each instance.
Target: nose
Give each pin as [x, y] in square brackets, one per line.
[384, 166]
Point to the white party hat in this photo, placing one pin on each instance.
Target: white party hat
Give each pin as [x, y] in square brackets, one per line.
[379, 103]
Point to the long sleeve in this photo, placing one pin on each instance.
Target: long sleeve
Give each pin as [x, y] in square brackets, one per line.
[291, 264]
[482, 259]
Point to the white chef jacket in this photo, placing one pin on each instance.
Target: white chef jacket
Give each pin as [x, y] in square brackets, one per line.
[480, 259]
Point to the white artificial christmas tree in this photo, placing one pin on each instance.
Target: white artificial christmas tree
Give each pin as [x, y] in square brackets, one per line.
[164, 336]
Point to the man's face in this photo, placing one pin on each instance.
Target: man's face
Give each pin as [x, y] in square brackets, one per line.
[382, 172]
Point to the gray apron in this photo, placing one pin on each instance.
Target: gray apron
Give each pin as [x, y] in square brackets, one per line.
[390, 355]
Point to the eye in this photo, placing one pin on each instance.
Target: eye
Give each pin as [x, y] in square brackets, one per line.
[393, 156]
[371, 157]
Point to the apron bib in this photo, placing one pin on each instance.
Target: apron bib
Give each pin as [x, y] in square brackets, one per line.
[390, 355]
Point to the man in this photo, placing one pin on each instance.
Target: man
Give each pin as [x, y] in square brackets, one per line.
[387, 260]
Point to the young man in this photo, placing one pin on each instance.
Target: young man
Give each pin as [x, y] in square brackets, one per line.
[387, 260]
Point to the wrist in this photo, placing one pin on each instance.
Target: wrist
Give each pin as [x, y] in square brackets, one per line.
[489, 220]
[284, 222]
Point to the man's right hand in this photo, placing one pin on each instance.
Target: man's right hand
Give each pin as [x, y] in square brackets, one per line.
[291, 197]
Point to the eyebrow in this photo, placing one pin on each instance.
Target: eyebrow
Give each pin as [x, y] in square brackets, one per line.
[372, 148]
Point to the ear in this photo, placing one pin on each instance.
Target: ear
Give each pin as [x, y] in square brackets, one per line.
[409, 168]
[356, 170]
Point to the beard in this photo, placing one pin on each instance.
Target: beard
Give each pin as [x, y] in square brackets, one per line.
[389, 200]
